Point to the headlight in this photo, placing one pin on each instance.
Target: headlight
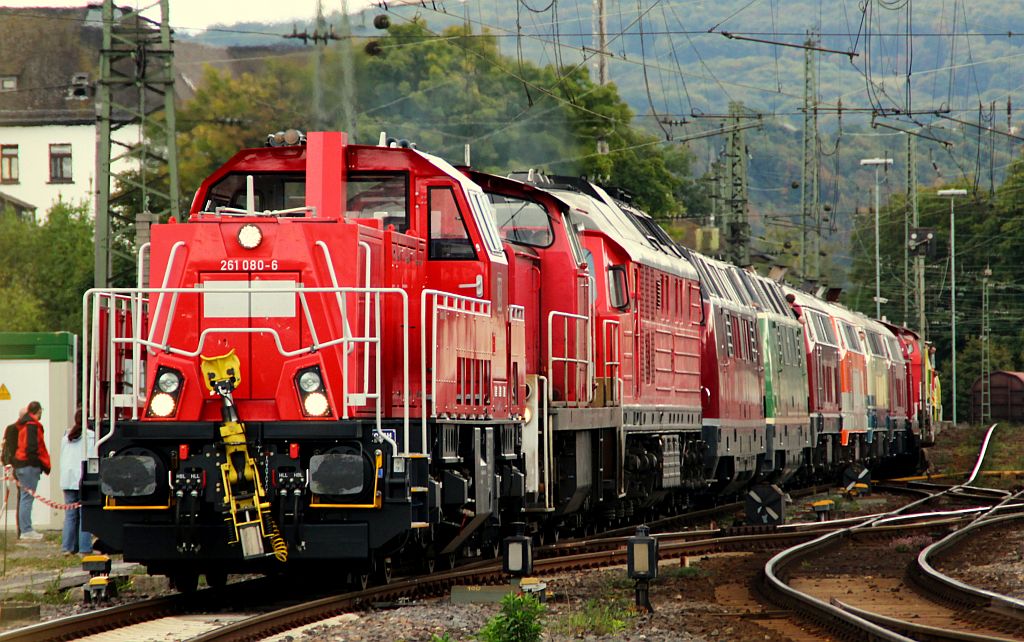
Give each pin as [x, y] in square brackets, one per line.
[315, 404]
[249, 236]
[162, 404]
[168, 382]
[310, 381]
[527, 415]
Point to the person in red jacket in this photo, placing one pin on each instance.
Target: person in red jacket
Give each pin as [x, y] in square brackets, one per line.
[30, 460]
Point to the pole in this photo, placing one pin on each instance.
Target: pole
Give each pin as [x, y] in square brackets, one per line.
[600, 32]
[878, 264]
[877, 163]
[952, 194]
[952, 292]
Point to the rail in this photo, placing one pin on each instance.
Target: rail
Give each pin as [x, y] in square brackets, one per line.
[774, 567]
[118, 303]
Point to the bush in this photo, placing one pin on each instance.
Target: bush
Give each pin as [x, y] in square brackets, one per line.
[520, 620]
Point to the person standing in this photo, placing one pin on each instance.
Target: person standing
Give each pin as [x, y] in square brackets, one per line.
[72, 454]
[30, 461]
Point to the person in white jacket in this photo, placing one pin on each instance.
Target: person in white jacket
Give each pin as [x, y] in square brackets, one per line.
[73, 451]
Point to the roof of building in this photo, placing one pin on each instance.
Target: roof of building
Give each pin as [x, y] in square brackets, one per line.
[18, 205]
[47, 50]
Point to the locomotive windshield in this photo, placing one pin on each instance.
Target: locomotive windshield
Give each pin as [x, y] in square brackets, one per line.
[384, 197]
[272, 191]
[521, 221]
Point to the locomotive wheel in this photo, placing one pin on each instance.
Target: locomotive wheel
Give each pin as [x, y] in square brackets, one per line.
[361, 580]
[185, 581]
[382, 571]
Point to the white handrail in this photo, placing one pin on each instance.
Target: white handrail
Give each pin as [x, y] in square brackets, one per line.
[347, 331]
[587, 362]
[453, 303]
[611, 366]
[93, 304]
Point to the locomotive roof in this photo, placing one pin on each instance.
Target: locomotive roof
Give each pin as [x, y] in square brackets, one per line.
[599, 212]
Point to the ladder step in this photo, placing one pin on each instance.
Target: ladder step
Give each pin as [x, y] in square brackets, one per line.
[418, 489]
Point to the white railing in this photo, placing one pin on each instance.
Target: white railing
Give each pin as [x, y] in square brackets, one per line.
[583, 391]
[135, 302]
[439, 301]
[611, 354]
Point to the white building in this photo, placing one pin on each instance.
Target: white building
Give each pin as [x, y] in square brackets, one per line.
[48, 128]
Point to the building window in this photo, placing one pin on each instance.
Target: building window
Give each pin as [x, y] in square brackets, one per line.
[60, 163]
[8, 83]
[8, 163]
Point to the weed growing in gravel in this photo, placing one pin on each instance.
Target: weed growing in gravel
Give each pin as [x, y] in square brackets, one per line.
[603, 616]
[911, 544]
[681, 572]
[52, 594]
[520, 620]
[434, 637]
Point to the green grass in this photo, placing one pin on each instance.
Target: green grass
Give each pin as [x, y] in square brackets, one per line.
[681, 572]
[598, 616]
[52, 563]
[52, 594]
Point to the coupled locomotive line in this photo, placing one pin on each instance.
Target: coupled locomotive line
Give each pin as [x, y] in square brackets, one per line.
[833, 616]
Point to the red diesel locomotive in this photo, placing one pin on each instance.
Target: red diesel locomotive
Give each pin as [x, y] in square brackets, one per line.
[363, 355]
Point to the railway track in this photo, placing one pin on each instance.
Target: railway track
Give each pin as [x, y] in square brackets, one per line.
[197, 618]
[807, 578]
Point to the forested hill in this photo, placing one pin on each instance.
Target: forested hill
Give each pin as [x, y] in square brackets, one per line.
[671, 61]
[692, 67]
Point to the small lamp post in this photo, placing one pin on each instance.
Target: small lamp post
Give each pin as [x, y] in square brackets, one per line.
[518, 554]
[642, 565]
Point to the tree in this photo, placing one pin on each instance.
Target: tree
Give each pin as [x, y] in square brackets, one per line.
[47, 268]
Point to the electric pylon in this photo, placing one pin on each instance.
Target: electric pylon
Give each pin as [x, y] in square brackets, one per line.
[810, 222]
[135, 87]
[736, 228]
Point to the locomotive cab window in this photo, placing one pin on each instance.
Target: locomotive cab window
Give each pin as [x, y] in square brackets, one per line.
[384, 197]
[277, 191]
[449, 238]
[522, 222]
[618, 288]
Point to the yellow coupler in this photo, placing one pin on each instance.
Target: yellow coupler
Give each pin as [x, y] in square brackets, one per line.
[243, 490]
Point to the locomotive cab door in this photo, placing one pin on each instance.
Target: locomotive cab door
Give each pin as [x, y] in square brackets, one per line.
[456, 259]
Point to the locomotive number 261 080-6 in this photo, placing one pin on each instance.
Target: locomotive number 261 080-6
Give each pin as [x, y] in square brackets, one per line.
[231, 265]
